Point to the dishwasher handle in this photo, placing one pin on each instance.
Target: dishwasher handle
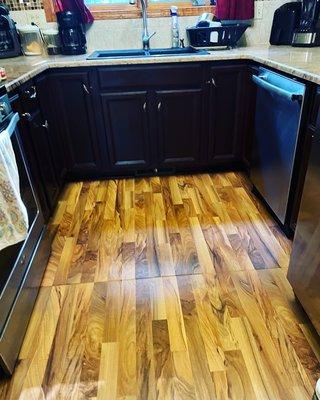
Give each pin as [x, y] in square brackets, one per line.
[287, 95]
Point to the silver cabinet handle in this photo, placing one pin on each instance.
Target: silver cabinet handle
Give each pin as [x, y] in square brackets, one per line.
[211, 82]
[32, 93]
[85, 88]
[26, 116]
[45, 125]
[159, 105]
[144, 106]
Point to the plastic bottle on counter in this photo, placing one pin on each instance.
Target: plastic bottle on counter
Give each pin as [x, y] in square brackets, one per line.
[3, 74]
[174, 26]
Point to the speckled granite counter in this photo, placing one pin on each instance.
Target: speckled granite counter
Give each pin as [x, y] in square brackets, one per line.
[302, 63]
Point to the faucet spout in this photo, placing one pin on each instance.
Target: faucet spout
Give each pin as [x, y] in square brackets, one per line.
[145, 33]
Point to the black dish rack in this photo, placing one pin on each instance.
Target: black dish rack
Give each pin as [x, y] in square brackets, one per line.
[225, 36]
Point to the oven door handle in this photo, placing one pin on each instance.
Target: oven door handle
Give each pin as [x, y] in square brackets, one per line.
[12, 124]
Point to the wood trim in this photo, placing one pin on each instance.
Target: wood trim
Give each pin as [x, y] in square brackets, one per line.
[123, 11]
[49, 10]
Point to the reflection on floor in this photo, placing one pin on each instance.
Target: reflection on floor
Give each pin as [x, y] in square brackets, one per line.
[167, 288]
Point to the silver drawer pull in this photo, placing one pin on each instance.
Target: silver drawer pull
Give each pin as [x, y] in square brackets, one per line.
[159, 105]
[144, 106]
[213, 82]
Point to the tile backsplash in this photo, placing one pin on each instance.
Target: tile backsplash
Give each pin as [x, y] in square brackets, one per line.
[126, 33]
[22, 5]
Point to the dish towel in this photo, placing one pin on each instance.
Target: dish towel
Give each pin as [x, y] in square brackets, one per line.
[13, 213]
[235, 9]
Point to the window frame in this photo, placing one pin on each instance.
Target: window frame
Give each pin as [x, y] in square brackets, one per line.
[127, 11]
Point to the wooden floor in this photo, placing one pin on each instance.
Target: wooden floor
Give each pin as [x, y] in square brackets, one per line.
[166, 288]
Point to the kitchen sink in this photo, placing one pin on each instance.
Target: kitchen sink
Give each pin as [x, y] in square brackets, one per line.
[102, 54]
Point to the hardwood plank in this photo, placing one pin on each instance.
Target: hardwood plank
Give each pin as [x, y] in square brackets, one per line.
[108, 376]
[94, 339]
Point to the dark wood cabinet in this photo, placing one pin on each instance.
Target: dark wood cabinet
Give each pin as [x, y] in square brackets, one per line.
[126, 126]
[37, 130]
[179, 127]
[45, 95]
[225, 112]
[127, 120]
[76, 123]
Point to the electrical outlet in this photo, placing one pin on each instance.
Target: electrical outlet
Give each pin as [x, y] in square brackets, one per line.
[258, 10]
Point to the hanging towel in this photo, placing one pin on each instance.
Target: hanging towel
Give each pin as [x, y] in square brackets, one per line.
[235, 9]
[13, 213]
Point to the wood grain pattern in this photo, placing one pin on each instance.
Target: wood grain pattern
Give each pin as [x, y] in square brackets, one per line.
[166, 288]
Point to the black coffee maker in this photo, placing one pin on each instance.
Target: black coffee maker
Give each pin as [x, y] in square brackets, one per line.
[9, 39]
[72, 33]
[308, 31]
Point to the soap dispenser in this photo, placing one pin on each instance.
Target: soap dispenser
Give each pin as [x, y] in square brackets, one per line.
[174, 26]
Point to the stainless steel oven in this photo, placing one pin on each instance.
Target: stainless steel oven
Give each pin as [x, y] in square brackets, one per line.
[19, 277]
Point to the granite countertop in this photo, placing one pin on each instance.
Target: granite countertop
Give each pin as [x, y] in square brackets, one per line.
[300, 62]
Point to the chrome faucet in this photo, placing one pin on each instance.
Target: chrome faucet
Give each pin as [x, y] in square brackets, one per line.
[145, 33]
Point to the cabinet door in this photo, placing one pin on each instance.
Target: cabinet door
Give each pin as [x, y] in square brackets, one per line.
[126, 127]
[180, 126]
[37, 131]
[224, 113]
[76, 118]
[45, 94]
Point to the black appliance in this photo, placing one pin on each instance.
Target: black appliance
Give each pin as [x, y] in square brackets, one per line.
[72, 33]
[285, 21]
[304, 268]
[20, 269]
[9, 39]
[277, 124]
[308, 32]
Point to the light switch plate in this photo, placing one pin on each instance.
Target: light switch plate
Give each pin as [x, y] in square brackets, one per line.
[258, 10]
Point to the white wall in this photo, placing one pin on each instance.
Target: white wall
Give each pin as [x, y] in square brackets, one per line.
[126, 33]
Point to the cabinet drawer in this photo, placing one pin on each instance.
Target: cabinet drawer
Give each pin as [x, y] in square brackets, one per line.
[150, 75]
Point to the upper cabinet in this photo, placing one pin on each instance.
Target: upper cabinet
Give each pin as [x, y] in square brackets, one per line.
[225, 111]
[76, 122]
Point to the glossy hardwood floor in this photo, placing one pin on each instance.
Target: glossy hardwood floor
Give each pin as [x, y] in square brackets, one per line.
[166, 288]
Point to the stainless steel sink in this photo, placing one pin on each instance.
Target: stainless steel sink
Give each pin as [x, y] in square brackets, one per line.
[102, 54]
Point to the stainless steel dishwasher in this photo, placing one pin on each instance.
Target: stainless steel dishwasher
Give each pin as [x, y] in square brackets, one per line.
[277, 121]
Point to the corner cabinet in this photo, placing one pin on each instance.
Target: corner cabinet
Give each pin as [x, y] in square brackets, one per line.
[76, 123]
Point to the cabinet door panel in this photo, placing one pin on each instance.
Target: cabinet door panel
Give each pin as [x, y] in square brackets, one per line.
[179, 124]
[46, 99]
[38, 131]
[225, 114]
[77, 116]
[127, 129]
